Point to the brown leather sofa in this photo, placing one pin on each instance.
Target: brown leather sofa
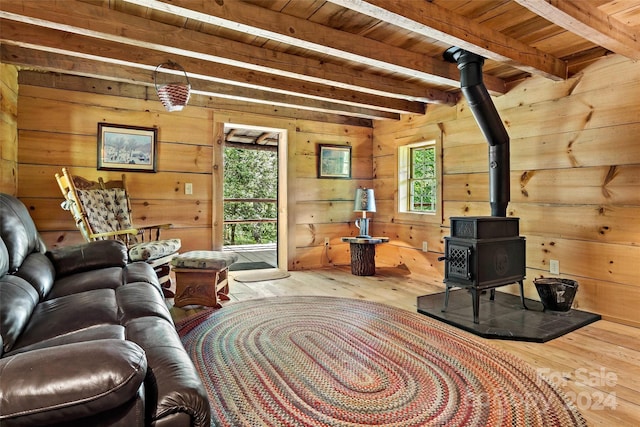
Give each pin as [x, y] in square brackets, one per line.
[85, 338]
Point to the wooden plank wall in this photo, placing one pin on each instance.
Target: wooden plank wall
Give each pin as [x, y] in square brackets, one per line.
[8, 129]
[575, 172]
[575, 179]
[57, 128]
[324, 207]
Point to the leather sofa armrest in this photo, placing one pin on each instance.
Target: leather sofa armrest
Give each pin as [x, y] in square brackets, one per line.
[88, 256]
[69, 382]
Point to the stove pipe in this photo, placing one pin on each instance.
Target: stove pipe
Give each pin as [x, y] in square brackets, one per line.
[486, 115]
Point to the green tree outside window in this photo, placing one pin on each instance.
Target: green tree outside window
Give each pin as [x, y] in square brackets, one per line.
[250, 174]
[422, 180]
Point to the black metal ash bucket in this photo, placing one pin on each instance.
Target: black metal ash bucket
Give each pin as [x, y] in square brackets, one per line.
[556, 294]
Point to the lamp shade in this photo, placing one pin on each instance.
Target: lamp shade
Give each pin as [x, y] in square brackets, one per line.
[365, 202]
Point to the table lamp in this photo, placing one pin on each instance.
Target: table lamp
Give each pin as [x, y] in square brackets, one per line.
[365, 202]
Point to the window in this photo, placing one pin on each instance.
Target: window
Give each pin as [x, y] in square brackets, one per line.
[418, 183]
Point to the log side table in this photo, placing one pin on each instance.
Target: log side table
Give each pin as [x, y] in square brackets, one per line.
[363, 254]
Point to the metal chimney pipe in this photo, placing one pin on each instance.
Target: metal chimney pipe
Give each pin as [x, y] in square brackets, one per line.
[488, 119]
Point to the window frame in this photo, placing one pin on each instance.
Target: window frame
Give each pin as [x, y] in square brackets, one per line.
[403, 183]
[411, 179]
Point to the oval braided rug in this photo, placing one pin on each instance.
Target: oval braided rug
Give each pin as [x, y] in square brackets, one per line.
[324, 361]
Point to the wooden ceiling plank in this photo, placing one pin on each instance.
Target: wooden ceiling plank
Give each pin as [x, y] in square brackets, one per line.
[72, 65]
[42, 38]
[103, 23]
[587, 21]
[305, 34]
[436, 22]
[293, 31]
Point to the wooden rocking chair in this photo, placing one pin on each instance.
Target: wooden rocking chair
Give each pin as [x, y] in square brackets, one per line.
[102, 210]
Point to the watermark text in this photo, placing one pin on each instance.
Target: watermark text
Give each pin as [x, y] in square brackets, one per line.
[594, 396]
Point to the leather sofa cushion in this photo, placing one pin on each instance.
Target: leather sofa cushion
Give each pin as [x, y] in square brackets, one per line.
[141, 272]
[78, 258]
[181, 386]
[69, 314]
[105, 278]
[17, 231]
[4, 258]
[37, 270]
[140, 300]
[92, 333]
[74, 381]
[17, 302]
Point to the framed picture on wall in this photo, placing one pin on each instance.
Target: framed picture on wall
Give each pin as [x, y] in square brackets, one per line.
[127, 148]
[334, 161]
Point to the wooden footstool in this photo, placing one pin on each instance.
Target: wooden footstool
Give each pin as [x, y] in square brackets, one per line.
[202, 277]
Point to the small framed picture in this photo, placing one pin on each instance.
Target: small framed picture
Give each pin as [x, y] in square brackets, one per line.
[127, 148]
[334, 161]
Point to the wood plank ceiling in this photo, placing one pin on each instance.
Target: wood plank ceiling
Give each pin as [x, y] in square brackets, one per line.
[347, 61]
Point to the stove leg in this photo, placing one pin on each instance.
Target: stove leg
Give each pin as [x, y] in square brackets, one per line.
[521, 282]
[476, 304]
[446, 298]
[492, 295]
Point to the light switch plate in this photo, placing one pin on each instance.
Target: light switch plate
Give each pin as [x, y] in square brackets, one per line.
[188, 188]
[554, 266]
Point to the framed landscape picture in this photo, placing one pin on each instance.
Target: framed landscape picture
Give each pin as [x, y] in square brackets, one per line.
[127, 148]
[334, 161]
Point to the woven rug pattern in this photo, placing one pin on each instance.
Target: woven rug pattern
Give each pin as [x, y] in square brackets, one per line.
[324, 361]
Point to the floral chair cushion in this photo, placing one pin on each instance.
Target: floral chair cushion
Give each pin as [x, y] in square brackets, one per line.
[147, 251]
[107, 210]
[96, 205]
[211, 260]
[117, 201]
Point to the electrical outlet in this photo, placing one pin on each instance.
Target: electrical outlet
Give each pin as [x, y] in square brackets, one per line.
[554, 266]
[326, 241]
[188, 188]
[425, 247]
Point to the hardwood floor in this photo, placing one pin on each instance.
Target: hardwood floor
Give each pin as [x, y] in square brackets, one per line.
[597, 366]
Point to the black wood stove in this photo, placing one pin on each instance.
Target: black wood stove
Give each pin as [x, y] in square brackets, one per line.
[483, 253]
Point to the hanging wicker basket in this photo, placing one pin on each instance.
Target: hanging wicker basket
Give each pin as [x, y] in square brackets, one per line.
[173, 95]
